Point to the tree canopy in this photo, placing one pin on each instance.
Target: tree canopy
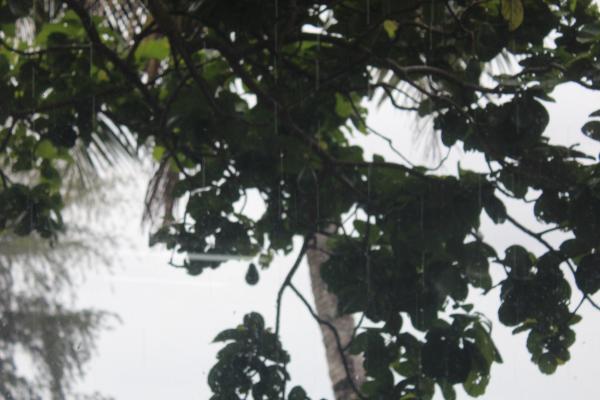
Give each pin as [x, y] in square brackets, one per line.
[262, 95]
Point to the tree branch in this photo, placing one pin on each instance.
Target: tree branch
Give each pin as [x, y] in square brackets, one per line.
[164, 21]
[564, 258]
[336, 335]
[288, 281]
[120, 64]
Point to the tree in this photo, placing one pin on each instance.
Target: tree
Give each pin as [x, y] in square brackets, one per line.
[37, 279]
[39, 276]
[263, 95]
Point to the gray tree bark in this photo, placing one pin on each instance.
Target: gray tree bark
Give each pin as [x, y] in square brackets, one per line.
[326, 309]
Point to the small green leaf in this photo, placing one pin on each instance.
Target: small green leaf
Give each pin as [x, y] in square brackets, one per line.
[587, 275]
[495, 209]
[519, 260]
[448, 391]
[229, 334]
[525, 326]
[476, 383]
[592, 130]
[572, 5]
[297, 393]
[574, 248]
[158, 152]
[4, 65]
[512, 11]
[391, 27]
[409, 396]
[252, 275]
[68, 28]
[45, 149]
[265, 259]
[254, 322]
[343, 107]
[153, 49]
[547, 363]
[589, 32]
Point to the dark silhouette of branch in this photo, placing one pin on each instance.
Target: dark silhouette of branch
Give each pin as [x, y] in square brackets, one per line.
[559, 253]
[335, 334]
[288, 281]
[165, 22]
[120, 64]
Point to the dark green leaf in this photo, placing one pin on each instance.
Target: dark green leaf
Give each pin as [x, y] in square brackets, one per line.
[587, 274]
[252, 276]
[512, 11]
[592, 129]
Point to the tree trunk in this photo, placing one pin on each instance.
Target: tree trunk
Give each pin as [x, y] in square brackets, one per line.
[326, 309]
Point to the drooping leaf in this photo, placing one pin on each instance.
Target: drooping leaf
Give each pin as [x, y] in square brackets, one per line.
[390, 26]
[592, 129]
[587, 274]
[153, 48]
[343, 107]
[45, 149]
[513, 12]
[252, 275]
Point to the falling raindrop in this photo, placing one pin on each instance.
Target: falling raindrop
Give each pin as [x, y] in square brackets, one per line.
[421, 216]
[369, 169]
[479, 190]
[368, 248]
[431, 16]
[387, 7]
[276, 118]
[368, 273]
[203, 171]
[517, 118]
[317, 67]
[368, 13]
[368, 75]
[281, 180]
[93, 92]
[421, 267]
[512, 180]
[316, 179]
[276, 41]
[281, 185]
[33, 99]
[514, 258]
[297, 194]
[317, 195]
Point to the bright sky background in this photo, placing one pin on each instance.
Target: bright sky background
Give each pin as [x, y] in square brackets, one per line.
[162, 349]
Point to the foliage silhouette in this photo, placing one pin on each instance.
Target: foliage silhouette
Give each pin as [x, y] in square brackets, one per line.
[263, 95]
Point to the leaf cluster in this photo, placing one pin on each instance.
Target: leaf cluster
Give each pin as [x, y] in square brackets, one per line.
[237, 97]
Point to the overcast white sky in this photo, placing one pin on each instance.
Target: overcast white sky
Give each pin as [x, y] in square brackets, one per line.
[163, 350]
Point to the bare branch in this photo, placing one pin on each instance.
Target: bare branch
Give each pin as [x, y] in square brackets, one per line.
[335, 334]
[288, 281]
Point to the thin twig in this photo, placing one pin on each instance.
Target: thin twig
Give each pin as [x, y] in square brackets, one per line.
[336, 335]
[119, 63]
[288, 281]
[564, 258]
